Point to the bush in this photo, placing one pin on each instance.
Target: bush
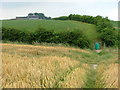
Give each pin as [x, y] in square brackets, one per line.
[72, 38]
[104, 28]
[15, 35]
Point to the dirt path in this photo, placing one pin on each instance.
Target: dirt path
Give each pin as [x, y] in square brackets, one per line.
[92, 79]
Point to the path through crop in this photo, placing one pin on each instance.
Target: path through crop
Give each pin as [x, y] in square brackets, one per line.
[91, 78]
[61, 67]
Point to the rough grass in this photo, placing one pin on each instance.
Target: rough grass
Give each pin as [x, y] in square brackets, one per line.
[115, 24]
[29, 66]
[57, 25]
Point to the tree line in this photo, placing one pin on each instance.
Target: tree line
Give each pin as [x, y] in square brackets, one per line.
[107, 34]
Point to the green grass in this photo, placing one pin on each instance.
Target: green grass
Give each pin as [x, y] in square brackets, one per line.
[58, 26]
[91, 79]
[87, 30]
[115, 23]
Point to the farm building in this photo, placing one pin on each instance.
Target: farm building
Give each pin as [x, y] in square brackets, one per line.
[19, 18]
[33, 16]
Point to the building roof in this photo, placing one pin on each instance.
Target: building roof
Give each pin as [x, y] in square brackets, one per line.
[21, 17]
[33, 16]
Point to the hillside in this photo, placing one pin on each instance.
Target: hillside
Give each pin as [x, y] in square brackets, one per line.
[58, 26]
[51, 31]
[115, 24]
[29, 66]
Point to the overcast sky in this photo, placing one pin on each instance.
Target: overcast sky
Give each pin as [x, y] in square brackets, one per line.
[56, 8]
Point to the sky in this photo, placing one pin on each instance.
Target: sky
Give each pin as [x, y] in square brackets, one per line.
[55, 8]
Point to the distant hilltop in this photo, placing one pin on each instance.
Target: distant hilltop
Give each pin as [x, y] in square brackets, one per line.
[33, 16]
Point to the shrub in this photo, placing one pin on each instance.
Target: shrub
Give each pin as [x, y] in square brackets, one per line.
[72, 38]
[104, 27]
[12, 34]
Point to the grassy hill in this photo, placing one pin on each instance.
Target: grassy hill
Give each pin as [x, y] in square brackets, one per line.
[58, 26]
[40, 66]
[115, 23]
[29, 66]
[53, 31]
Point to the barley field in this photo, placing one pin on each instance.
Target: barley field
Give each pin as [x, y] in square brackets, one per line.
[30, 66]
[109, 76]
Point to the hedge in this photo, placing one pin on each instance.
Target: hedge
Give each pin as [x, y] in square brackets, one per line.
[72, 38]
